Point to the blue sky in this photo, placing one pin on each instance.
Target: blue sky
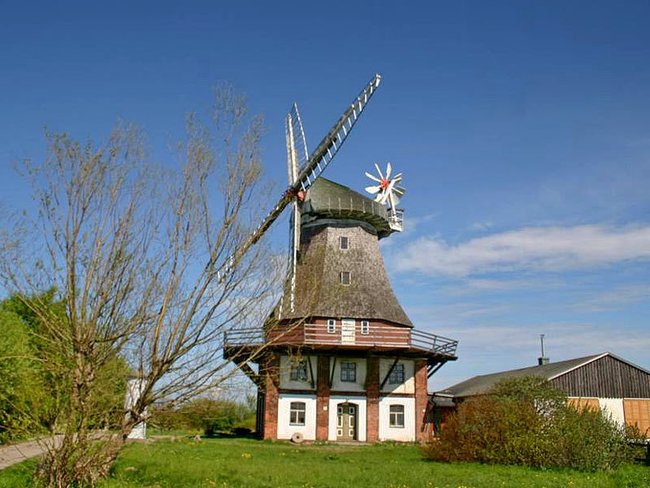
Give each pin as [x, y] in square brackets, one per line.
[521, 128]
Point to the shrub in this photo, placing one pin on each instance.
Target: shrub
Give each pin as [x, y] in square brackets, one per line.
[526, 422]
[210, 416]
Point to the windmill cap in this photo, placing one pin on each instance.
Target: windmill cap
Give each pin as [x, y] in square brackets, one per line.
[326, 199]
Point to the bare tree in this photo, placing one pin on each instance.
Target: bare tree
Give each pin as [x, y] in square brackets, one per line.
[141, 256]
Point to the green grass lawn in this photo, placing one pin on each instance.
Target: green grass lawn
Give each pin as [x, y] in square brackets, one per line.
[250, 463]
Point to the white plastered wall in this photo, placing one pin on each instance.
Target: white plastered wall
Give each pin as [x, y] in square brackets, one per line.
[388, 433]
[409, 370]
[613, 408]
[362, 413]
[285, 431]
[285, 374]
[359, 385]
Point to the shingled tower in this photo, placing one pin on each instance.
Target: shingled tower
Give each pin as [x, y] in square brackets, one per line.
[342, 360]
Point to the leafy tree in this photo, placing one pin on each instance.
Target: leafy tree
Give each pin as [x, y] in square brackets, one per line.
[53, 377]
[21, 389]
[33, 390]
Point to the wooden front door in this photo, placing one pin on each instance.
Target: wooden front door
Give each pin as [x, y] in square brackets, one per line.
[346, 422]
[348, 333]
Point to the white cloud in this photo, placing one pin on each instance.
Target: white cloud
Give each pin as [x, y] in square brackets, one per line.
[481, 226]
[574, 338]
[468, 286]
[496, 347]
[530, 248]
[414, 222]
[615, 299]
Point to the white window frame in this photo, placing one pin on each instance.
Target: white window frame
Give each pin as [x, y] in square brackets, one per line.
[365, 327]
[331, 326]
[396, 416]
[349, 280]
[295, 409]
[343, 239]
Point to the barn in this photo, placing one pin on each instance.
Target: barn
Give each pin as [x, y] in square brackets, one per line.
[605, 381]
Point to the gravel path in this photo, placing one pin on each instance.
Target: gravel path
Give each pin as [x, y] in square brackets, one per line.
[17, 453]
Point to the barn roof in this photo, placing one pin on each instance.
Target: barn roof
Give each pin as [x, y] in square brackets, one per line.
[480, 385]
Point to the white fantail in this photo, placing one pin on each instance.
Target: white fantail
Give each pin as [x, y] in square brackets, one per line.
[387, 190]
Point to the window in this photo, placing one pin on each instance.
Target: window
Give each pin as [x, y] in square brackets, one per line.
[396, 375]
[396, 418]
[297, 413]
[331, 326]
[298, 371]
[344, 243]
[365, 327]
[348, 371]
[346, 277]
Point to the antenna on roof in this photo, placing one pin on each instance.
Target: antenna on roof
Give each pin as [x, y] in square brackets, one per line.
[543, 359]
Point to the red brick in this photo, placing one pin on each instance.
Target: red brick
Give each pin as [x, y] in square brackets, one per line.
[421, 399]
[372, 406]
[271, 371]
[322, 397]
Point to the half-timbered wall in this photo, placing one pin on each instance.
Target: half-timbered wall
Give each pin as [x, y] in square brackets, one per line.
[407, 386]
[309, 381]
[338, 383]
[329, 390]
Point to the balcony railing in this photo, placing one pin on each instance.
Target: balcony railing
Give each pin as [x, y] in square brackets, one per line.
[433, 342]
[377, 336]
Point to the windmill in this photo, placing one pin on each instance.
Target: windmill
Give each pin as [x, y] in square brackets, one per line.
[387, 192]
[338, 327]
[303, 171]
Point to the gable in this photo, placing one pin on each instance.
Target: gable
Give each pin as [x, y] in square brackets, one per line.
[605, 377]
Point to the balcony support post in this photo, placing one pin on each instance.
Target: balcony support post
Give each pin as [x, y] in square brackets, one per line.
[434, 368]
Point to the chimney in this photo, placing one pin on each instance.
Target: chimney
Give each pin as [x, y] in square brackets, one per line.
[541, 361]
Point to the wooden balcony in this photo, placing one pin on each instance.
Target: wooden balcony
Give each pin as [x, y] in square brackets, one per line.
[383, 337]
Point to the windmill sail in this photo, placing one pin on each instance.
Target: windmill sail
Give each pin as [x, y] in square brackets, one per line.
[315, 165]
[297, 156]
